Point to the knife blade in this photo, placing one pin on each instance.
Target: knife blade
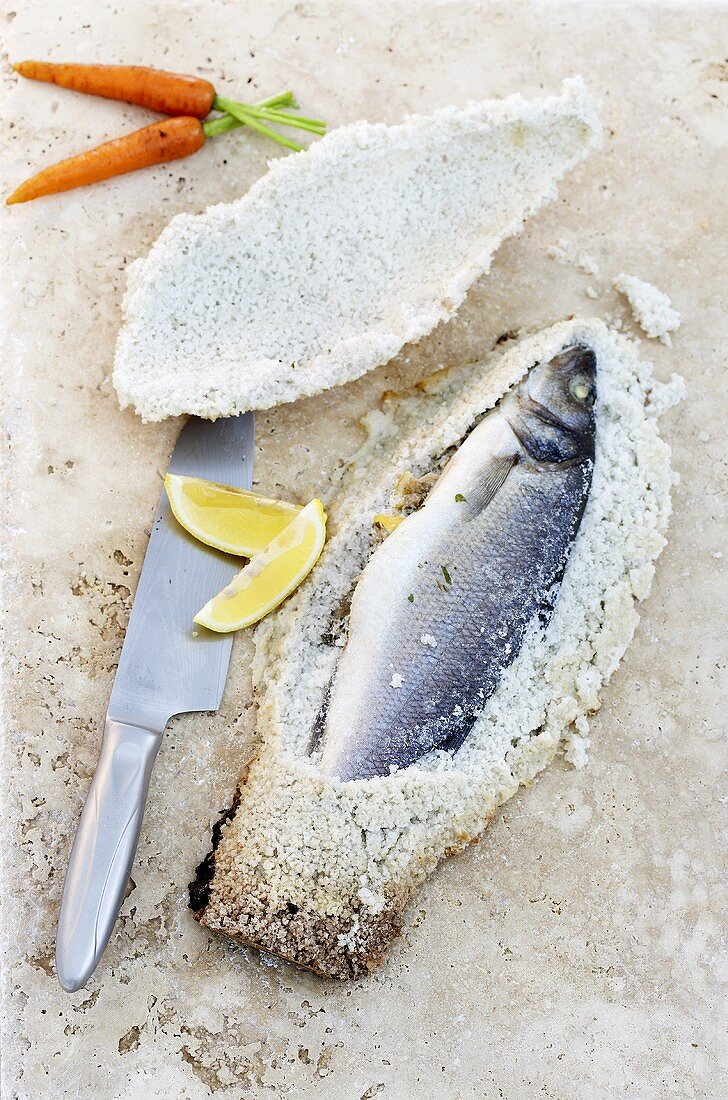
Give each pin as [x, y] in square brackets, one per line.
[167, 666]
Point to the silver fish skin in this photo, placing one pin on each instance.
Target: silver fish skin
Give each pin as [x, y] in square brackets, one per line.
[443, 605]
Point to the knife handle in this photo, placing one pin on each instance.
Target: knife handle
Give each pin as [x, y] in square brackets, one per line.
[103, 851]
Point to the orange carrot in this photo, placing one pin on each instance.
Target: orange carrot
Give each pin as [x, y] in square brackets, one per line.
[156, 144]
[168, 93]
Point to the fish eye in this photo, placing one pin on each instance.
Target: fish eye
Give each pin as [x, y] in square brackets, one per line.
[580, 387]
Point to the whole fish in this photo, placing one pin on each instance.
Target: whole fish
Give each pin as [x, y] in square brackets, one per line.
[443, 605]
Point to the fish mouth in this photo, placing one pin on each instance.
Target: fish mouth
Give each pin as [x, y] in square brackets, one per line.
[553, 413]
[575, 359]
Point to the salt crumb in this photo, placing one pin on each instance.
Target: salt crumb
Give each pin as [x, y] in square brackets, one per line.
[717, 554]
[429, 639]
[591, 292]
[703, 437]
[586, 264]
[651, 309]
[667, 396]
[577, 743]
[570, 255]
[396, 681]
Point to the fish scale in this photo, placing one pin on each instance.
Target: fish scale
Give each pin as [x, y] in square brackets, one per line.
[505, 548]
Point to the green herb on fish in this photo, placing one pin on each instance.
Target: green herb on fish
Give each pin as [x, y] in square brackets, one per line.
[446, 575]
[460, 499]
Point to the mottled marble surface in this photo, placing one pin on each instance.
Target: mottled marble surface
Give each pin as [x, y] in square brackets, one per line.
[576, 951]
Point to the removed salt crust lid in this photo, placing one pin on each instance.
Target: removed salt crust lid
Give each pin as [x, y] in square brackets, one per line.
[338, 256]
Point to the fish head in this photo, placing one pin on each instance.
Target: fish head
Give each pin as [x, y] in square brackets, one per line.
[554, 414]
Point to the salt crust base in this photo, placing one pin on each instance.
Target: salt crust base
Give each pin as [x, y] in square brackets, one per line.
[338, 256]
[321, 872]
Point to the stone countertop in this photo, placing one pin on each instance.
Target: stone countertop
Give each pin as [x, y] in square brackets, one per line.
[575, 952]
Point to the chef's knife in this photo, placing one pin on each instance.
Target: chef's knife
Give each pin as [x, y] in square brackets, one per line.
[167, 666]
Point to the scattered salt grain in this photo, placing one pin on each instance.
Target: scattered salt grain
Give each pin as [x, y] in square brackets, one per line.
[570, 255]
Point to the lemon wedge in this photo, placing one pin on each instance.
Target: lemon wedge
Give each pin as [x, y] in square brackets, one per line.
[270, 576]
[229, 519]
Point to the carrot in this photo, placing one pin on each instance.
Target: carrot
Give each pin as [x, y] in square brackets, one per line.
[188, 98]
[156, 144]
[168, 93]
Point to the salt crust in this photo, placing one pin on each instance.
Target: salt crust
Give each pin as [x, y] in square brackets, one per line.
[321, 872]
[338, 256]
[651, 308]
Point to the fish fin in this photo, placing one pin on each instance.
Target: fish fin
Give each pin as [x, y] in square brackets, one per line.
[455, 739]
[490, 479]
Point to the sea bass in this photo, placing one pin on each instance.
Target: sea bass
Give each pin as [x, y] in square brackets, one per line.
[443, 605]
